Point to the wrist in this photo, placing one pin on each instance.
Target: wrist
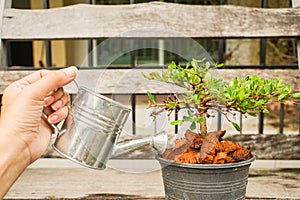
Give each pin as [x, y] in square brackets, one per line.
[13, 161]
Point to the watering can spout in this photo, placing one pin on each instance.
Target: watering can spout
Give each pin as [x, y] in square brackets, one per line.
[158, 142]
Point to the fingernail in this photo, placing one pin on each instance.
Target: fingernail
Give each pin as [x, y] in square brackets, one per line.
[70, 71]
[48, 100]
[57, 105]
[53, 119]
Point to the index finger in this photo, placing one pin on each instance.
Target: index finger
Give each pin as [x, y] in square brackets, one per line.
[35, 76]
[29, 79]
[53, 80]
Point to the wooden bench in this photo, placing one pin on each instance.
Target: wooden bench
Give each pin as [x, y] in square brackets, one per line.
[156, 20]
[149, 20]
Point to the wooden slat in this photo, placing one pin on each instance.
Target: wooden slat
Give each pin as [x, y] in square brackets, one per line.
[154, 19]
[3, 4]
[296, 4]
[132, 82]
[298, 52]
[271, 146]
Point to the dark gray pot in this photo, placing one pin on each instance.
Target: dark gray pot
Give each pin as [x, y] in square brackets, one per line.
[204, 181]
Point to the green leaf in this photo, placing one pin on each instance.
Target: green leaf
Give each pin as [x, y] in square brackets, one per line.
[267, 88]
[194, 63]
[220, 65]
[155, 75]
[236, 126]
[253, 114]
[202, 60]
[198, 97]
[186, 118]
[282, 96]
[199, 120]
[296, 95]
[164, 76]
[172, 66]
[208, 77]
[266, 111]
[187, 65]
[190, 113]
[171, 104]
[241, 95]
[193, 126]
[151, 97]
[176, 122]
[207, 65]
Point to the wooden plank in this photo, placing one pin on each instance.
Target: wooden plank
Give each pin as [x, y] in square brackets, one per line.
[271, 146]
[154, 19]
[296, 4]
[298, 52]
[3, 5]
[131, 81]
[2, 2]
[61, 179]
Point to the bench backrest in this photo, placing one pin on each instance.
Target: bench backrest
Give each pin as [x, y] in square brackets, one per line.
[147, 20]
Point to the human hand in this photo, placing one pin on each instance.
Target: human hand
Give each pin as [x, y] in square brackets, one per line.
[23, 104]
[24, 134]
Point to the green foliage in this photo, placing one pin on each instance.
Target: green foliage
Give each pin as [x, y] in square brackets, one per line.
[151, 97]
[236, 126]
[252, 94]
[296, 95]
[248, 95]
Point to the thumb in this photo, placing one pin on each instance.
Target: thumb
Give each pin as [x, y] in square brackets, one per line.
[54, 80]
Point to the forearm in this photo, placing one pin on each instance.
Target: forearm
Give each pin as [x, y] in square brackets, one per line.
[12, 163]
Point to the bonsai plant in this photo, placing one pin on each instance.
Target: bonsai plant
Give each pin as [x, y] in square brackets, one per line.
[203, 94]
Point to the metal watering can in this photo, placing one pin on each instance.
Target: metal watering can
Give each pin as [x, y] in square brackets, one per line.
[90, 133]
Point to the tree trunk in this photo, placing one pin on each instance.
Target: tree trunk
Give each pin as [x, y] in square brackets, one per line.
[203, 125]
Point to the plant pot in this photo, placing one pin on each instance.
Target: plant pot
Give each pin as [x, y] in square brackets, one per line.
[205, 181]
